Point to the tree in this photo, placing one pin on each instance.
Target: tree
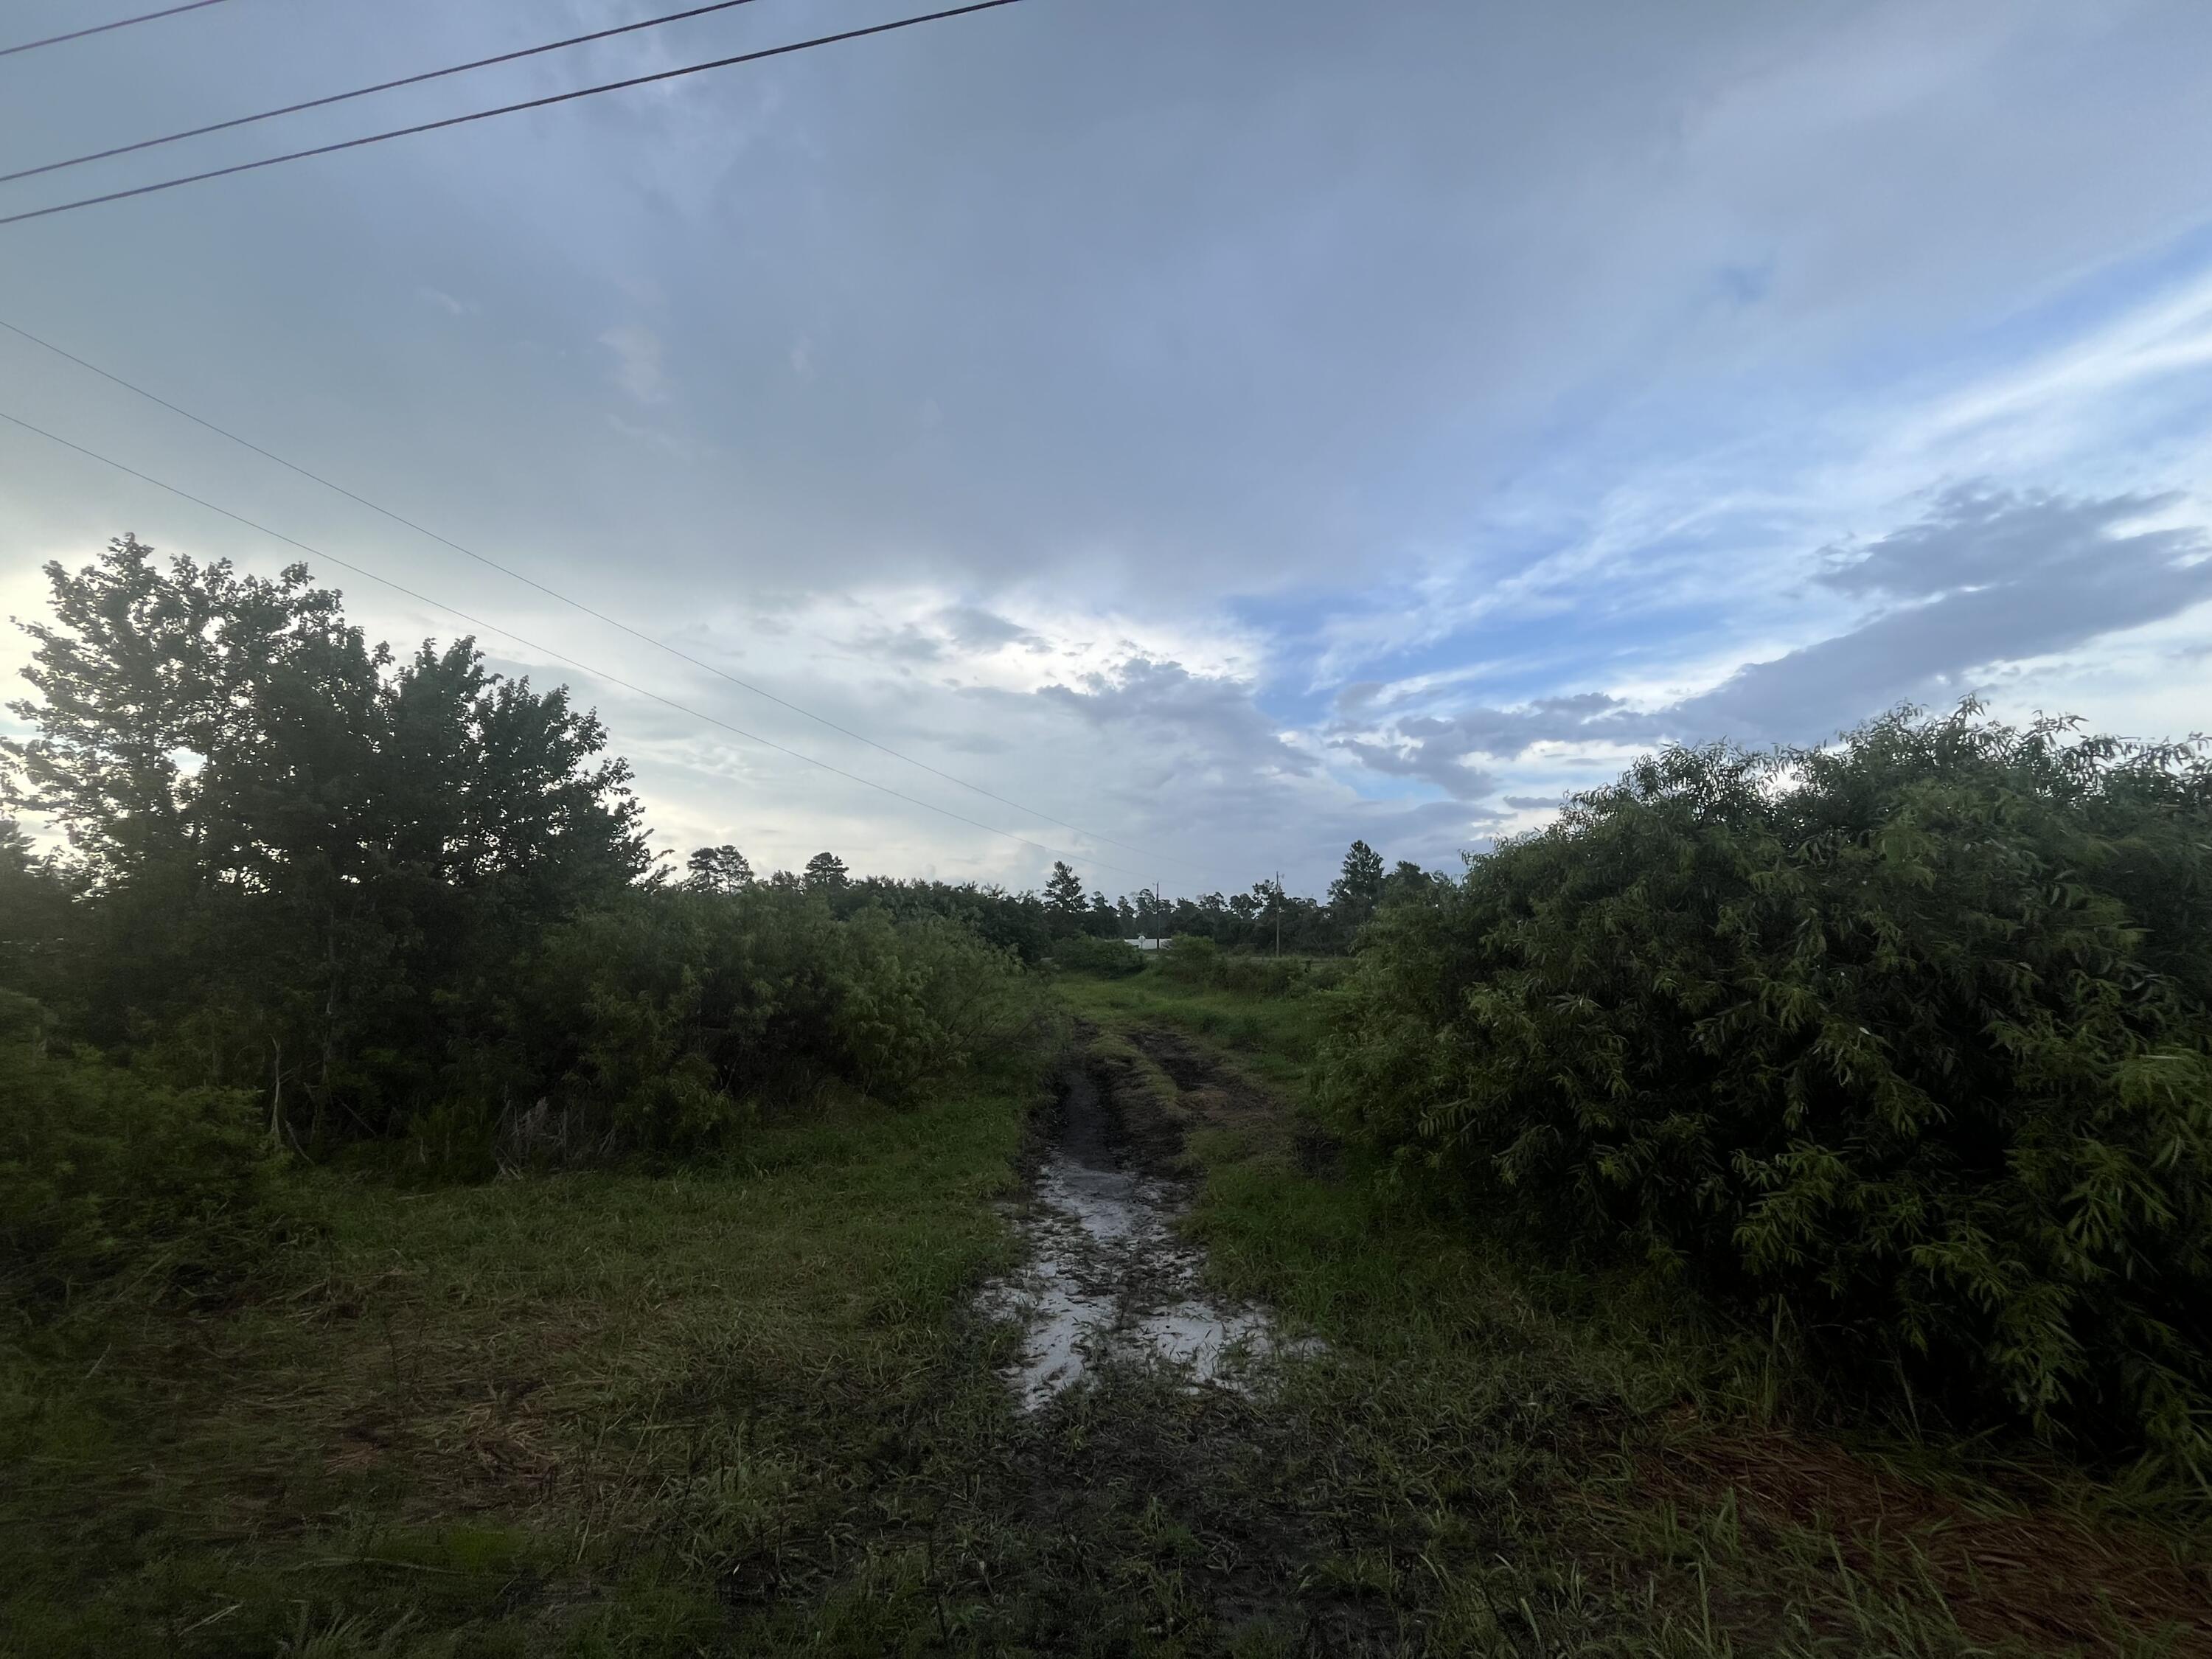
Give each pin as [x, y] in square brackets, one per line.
[35, 913]
[825, 873]
[720, 870]
[1408, 884]
[1064, 903]
[322, 855]
[1354, 894]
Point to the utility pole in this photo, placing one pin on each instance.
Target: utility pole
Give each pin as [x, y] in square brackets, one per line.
[1279, 914]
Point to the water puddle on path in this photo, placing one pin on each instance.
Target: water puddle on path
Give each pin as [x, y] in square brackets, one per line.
[1106, 1280]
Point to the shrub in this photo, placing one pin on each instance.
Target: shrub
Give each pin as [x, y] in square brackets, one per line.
[1109, 959]
[1191, 959]
[662, 1023]
[104, 1171]
[1906, 1043]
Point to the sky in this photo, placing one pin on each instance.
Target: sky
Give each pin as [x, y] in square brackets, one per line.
[1212, 429]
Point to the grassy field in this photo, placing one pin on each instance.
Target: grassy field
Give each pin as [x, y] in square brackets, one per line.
[597, 1414]
[750, 1410]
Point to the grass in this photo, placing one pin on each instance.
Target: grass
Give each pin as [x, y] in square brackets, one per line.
[1274, 1037]
[583, 1413]
[747, 1409]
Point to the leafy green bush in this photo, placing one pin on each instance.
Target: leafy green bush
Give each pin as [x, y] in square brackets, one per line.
[1109, 959]
[105, 1172]
[1906, 1043]
[664, 1022]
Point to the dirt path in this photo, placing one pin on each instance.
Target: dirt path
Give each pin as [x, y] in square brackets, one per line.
[1108, 1282]
[1159, 1443]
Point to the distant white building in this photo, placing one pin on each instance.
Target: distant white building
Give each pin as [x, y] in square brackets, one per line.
[1147, 943]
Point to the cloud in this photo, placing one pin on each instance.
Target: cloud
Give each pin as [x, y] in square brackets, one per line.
[1982, 579]
[1054, 397]
[977, 629]
[638, 368]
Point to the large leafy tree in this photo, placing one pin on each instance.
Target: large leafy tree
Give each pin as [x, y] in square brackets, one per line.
[312, 858]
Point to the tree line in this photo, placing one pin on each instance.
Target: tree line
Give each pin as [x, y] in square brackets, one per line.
[304, 866]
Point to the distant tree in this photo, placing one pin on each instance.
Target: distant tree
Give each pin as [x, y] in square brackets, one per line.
[34, 909]
[1064, 904]
[1355, 893]
[825, 873]
[1408, 884]
[719, 870]
[1266, 912]
[1105, 922]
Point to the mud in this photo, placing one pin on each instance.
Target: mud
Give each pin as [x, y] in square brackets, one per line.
[1108, 1282]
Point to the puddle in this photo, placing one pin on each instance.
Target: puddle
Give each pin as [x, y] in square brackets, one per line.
[1107, 1281]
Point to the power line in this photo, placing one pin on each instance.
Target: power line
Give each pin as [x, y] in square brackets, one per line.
[510, 109]
[579, 605]
[381, 86]
[581, 667]
[102, 28]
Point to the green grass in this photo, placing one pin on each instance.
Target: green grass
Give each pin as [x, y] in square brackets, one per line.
[747, 1410]
[560, 1413]
[1274, 1037]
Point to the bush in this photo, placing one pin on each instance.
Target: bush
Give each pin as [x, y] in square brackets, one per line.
[1191, 959]
[1109, 959]
[1906, 1043]
[664, 1023]
[104, 1172]
[1200, 961]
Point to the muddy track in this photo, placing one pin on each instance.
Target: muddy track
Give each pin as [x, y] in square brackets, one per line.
[1153, 1409]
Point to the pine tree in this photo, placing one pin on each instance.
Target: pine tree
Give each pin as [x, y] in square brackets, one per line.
[719, 870]
[1354, 895]
[1063, 901]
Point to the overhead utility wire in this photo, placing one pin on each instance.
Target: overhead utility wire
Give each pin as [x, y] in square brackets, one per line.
[102, 28]
[381, 86]
[581, 667]
[579, 605]
[511, 109]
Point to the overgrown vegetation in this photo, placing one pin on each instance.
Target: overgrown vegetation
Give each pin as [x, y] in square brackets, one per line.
[1904, 1045]
[106, 1172]
[426, 1226]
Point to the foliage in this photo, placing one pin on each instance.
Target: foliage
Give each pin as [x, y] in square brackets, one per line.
[1110, 958]
[1014, 922]
[719, 870]
[1906, 1043]
[1064, 904]
[1356, 892]
[664, 1022]
[825, 873]
[103, 1169]
[35, 913]
[308, 858]
[1200, 962]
